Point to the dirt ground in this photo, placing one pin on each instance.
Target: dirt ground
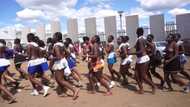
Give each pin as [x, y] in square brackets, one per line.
[122, 96]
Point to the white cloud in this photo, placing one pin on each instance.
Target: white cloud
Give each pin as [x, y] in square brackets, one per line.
[18, 26]
[46, 9]
[86, 12]
[52, 9]
[106, 12]
[142, 13]
[29, 14]
[162, 4]
[15, 27]
[55, 9]
[43, 3]
[178, 11]
[98, 1]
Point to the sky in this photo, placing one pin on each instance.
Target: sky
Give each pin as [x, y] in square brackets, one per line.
[21, 13]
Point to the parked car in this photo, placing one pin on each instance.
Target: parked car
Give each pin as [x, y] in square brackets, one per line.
[160, 46]
[186, 43]
[24, 46]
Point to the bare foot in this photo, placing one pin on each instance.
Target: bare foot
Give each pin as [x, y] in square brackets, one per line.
[171, 89]
[108, 93]
[75, 96]
[92, 92]
[161, 86]
[153, 90]
[140, 92]
[13, 100]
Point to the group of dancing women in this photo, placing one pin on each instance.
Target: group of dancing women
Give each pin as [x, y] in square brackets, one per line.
[61, 57]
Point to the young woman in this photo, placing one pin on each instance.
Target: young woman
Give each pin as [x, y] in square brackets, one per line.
[19, 58]
[60, 65]
[3, 67]
[172, 63]
[142, 61]
[111, 60]
[50, 54]
[85, 48]
[71, 59]
[44, 63]
[70, 46]
[35, 65]
[49, 47]
[125, 61]
[183, 58]
[150, 49]
[7, 75]
[95, 66]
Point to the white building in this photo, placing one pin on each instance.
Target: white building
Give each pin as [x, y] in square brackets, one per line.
[90, 26]
[55, 26]
[183, 25]
[110, 26]
[132, 23]
[8, 35]
[72, 29]
[40, 32]
[25, 31]
[157, 27]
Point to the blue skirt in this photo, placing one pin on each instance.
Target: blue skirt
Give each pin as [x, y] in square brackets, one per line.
[44, 67]
[33, 69]
[112, 58]
[71, 62]
[3, 69]
[4, 64]
[37, 65]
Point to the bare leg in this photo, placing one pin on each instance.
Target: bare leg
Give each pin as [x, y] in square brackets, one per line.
[35, 82]
[91, 78]
[60, 80]
[92, 82]
[183, 72]
[21, 71]
[5, 90]
[111, 71]
[157, 75]
[99, 76]
[123, 74]
[12, 80]
[139, 79]
[145, 77]
[178, 80]
[167, 79]
[77, 73]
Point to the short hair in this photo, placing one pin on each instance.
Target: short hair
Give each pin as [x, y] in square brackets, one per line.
[69, 40]
[36, 39]
[30, 37]
[97, 38]
[125, 38]
[140, 31]
[178, 35]
[49, 40]
[112, 37]
[173, 36]
[41, 43]
[17, 41]
[58, 36]
[151, 35]
[85, 38]
[3, 41]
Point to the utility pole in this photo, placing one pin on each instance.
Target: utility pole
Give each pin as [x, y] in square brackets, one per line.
[120, 15]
